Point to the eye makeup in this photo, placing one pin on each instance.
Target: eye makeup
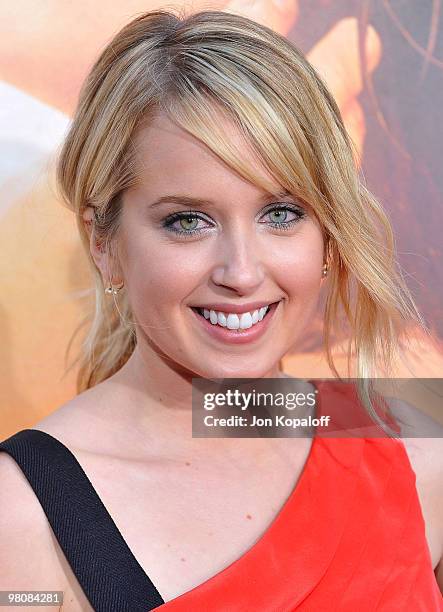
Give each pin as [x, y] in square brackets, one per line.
[174, 222]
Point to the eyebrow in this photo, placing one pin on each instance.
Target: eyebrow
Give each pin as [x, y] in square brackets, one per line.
[203, 202]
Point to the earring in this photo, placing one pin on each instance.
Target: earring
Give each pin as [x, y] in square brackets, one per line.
[114, 290]
[325, 269]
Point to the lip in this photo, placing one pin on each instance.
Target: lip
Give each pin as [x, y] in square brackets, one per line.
[232, 336]
[234, 308]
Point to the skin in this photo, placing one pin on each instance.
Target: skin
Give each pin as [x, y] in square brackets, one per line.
[148, 446]
[238, 259]
[154, 428]
[51, 67]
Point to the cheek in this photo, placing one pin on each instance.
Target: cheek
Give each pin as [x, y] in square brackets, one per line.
[300, 264]
[160, 274]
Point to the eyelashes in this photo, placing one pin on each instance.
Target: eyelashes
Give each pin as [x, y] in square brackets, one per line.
[282, 209]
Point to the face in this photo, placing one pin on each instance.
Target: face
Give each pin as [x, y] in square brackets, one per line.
[230, 248]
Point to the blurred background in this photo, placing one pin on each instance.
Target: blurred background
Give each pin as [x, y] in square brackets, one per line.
[383, 62]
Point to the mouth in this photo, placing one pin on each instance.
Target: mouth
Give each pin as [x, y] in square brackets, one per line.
[233, 328]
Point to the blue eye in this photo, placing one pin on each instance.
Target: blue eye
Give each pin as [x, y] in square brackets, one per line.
[187, 221]
[280, 220]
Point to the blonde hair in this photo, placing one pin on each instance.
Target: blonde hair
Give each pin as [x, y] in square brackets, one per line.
[194, 67]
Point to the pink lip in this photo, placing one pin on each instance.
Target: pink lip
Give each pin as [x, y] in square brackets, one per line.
[234, 308]
[232, 336]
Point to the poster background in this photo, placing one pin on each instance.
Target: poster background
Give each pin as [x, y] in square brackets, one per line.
[391, 103]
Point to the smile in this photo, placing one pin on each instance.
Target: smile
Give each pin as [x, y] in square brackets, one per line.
[236, 328]
[232, 320]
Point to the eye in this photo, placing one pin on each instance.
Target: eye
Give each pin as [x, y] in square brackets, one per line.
[283, 216]
[184, 223]
[280, 215]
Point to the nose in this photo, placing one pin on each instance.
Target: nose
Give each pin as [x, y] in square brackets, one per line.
[240, 266]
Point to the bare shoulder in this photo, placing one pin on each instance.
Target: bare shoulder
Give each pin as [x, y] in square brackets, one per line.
[30, 551]
[75, 422]
[89, 423]
[422, 437]
[28, 554]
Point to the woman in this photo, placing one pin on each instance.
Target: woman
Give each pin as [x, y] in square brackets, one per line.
[211, 177]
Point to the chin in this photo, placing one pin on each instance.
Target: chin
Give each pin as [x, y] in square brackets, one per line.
[220, 371]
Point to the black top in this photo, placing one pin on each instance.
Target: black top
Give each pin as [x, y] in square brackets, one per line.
[109, 574]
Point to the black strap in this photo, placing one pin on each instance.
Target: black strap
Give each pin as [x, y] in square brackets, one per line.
[109, 574]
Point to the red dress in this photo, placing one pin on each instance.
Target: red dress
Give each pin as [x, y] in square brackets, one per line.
[351, 536]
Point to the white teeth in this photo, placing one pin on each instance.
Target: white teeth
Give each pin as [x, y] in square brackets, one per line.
[234, 321]
[262, 312]
[246, 320]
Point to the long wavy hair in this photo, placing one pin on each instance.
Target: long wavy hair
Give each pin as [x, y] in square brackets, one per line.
[194, 67]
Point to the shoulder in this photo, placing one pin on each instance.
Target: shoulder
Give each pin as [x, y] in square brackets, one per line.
[426, 458]
[422, 438]
[30, 550]
[102, 423]
[28, 554]
[425, 455]
[84, 423]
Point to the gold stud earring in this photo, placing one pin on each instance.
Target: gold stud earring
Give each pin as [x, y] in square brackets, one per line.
[325, 269]
[114, 290]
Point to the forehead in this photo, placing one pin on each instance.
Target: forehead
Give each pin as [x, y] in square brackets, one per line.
[165, 152]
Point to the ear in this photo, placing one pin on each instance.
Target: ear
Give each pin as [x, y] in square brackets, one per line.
[109, 268]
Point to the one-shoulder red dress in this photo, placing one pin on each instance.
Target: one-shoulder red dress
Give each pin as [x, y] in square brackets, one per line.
[350, 537]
